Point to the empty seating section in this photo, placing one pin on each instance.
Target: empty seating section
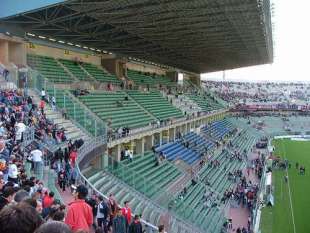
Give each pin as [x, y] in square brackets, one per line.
[218, 129]
[146, 175]
[75, 69]
[140, 78]
[100, 75]
[49, 68]
[196, 146]
[205, 103]
[176, 150]
[156, 104]
[107, 184]
[113, 106]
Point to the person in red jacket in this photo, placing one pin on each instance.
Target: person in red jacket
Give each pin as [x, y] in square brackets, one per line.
[73, 157]
[79, 214]
[126, 211]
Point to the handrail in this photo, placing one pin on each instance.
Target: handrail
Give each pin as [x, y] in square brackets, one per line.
[38, 81]
[97, 142]
[175, 123]
[82, 152]
[84, 106]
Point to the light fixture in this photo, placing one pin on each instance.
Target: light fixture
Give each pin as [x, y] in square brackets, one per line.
[51, 39]
[30, 34]
[85, 47]
[92, 49]
[42, 37]
[77, 45]
[98, 50]
[61, 42]
[69, 43]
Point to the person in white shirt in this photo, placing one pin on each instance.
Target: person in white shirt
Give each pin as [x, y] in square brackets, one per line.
[13, 173]
[53, 103]
[37, 160]
[20, 129]
[43, 94]
[130, 154]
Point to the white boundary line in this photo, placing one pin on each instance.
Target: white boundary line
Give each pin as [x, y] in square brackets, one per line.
[289, 189]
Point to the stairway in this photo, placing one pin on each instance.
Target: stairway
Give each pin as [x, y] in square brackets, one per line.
[185, 104]
[72, 131]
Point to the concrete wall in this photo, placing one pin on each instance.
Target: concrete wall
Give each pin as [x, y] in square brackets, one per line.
[12, 50]
[63, 54]
[4, 52]
[17, 53]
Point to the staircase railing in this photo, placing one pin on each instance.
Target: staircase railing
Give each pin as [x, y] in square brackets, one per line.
[94, 148]
[71, 108]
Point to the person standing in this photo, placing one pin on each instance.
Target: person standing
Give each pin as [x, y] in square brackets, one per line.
[119, 222]
[135, 226]
[37, 156]
[102, 213]
[43, 95]
[79, 214]
[126, 211]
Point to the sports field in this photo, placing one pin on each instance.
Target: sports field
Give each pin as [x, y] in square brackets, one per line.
[291, 213]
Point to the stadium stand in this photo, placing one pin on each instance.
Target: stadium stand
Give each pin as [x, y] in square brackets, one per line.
[113, 106]
[100, 75]
[156, 104]
[146, 173]
[205, 103]
[76, 70]
[188, 149]
[218, 129]
[140, 78]
[49, 68]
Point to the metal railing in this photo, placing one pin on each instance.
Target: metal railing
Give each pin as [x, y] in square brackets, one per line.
[69, 106]
[83, 152]
[28, 136]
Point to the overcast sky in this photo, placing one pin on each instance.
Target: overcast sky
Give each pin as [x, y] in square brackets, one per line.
[292, 46]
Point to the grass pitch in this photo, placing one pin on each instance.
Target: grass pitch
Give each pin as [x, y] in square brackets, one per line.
[291, 213]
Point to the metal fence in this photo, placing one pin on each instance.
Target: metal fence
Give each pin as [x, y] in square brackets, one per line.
[68, 105]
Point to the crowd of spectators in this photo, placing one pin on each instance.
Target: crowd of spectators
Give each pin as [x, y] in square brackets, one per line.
[260, 92]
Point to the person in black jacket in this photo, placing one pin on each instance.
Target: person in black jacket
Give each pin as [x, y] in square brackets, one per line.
[7, 196]
[135, 226]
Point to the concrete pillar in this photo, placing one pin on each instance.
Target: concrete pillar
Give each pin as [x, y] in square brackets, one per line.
[148, 142]
[4, 52]
[118, 152]
[140, 146]
[172, 134]
[160, 138]
[104, 161]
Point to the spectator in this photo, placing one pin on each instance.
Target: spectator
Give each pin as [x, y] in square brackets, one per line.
[21, 195]
[53, 227]
[37, 156]
[48, 201]
[79, 215]
[13, 172]
[126, 211]
[102, 213]
[161, 229]
[135, 226]
[6, 197]
[19, 218]
[43, 94]
[119, 222]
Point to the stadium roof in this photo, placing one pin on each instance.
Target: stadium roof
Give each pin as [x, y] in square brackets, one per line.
[193, 35]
